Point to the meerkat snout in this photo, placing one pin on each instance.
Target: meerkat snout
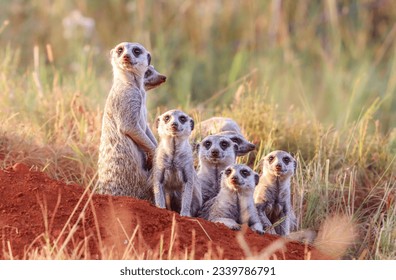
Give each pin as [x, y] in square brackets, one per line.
[215, 153]
[152, 78]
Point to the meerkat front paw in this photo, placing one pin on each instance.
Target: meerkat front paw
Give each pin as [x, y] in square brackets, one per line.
[232, 225]
[257, 227]
[185, 213]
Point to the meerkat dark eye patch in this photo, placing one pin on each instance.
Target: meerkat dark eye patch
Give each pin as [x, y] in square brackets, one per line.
[286, 160]
[148, 59]
[192, 124]
[120, 50]
[236, 140]
[136, 52]
[245, 173]
[227, 171]
[182, 119]
[256, 179]
[166, 118]
[270, 159]
[224, 145]
[207, 144]
[148, 73]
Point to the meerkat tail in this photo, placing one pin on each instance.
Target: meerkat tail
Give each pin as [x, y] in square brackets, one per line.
[335, 236]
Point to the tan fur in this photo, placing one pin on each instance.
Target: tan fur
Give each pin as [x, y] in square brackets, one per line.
[225, 127]
[152, 78]
[176, 184]
[272, 195]
[234, 205]
[127, 144]
[215, 153]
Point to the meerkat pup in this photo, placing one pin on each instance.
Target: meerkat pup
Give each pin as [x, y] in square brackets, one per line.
[215, 153]
[176, 184]
[272, 195]
[152, 78]
[127, 144]
[234, 204]
[226, 127]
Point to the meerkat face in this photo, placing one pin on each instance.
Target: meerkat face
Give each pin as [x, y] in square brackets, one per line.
[175, 123]
[217, 149]
[130, 57]
[244, 146]
[152, 78]
[240, 178]
[280, 164]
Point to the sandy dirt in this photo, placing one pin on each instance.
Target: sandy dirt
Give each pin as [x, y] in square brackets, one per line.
[39, 214]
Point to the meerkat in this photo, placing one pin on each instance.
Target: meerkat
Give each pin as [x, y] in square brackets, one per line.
[127, 144]
[225, 127]
[244, 146]
[215, 153]
[272, 194]
[217, 124]
[176, 185]
[152, 78]
[234, 204]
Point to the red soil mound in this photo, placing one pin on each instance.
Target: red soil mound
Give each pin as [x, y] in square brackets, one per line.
[38, 213]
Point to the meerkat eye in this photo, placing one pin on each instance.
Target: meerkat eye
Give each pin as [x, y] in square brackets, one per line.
[270, 159]
[207, 144]
[227, 171]
[245, 173]
[136, 51]
[148, 73]
[236, 140]
[286, 160]
[224, 145]
[119, 50]
[167, 118]
[183, 119]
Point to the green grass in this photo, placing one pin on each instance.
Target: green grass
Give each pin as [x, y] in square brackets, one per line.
[316, 78]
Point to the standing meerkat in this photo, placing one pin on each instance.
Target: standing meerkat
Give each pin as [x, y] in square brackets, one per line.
[176, 184]
[127, 144]
[215, 153]
[272, 195]
[152, 78]
[234, 204]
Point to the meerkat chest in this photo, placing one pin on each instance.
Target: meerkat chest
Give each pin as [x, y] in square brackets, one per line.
[174, 179]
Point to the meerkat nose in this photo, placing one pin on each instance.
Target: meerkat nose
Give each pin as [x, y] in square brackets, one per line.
[126, 57]
[175, 124]
[215, 153]
[278, 166]
[235, 179]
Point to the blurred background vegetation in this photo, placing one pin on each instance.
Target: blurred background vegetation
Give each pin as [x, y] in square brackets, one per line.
[331, 58]
[317, 78]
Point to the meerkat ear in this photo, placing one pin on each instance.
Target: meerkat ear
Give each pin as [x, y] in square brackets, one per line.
[192, 124]
[157, 121]
[196, 147]
[256, 178]
[295, 165]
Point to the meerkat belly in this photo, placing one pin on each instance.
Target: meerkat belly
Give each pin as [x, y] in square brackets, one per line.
[118, 159]
[173, 179]
[226, 208]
